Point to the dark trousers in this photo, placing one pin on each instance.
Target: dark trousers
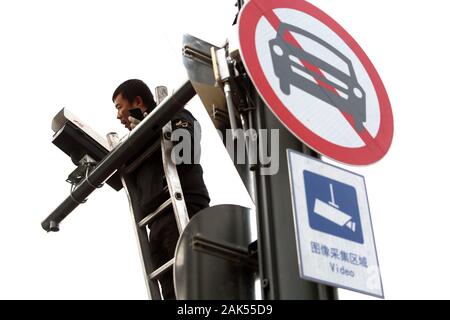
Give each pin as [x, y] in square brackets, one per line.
[163, 240]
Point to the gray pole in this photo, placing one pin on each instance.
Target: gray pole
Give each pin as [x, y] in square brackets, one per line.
[278, 263]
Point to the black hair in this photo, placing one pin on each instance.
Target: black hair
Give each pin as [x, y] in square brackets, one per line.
[133, 88]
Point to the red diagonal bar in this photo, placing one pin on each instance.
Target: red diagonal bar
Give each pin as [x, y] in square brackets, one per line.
[275, 22]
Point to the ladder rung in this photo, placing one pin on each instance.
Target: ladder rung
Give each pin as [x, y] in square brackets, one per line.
[155, 214]
[158, 272]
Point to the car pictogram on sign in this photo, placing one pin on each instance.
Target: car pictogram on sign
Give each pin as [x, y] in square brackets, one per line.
[293, 65]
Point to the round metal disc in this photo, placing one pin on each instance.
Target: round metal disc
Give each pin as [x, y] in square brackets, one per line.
[204, 273]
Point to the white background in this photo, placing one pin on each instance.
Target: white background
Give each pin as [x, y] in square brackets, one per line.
[73, 54]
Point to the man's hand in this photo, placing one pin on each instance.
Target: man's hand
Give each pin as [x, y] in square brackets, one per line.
[134, 122]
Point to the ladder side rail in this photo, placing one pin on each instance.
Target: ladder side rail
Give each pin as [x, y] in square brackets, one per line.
[143, 243]
[173, 180]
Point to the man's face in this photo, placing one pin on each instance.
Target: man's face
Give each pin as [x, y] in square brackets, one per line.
[122, 106]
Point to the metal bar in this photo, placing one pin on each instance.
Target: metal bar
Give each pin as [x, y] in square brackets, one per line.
[225, 250]
[240, 4]
[230, 106]
[327, 292]
[263, 208]
[155, 274]
[147, 130]
[276, 235]
[152, 216]
[251, 157]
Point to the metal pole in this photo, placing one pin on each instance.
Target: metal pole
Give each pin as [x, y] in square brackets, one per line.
[149, 129]
[277, 252]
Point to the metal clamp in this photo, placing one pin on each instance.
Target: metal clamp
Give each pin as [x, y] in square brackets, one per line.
[226, 250]
[90, 183]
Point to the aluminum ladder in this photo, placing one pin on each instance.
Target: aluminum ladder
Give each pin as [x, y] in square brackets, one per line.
[175, 198]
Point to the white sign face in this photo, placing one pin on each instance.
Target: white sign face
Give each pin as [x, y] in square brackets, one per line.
[316, 80]
[335, 241]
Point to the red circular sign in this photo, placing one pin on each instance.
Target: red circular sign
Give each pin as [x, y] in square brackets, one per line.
[370, 126]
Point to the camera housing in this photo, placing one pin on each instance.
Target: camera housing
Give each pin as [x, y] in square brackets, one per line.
[78, 141]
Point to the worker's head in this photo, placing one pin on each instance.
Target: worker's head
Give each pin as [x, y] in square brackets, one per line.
[132, 94]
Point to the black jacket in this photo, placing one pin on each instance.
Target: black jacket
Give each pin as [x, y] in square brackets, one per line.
[150, 179]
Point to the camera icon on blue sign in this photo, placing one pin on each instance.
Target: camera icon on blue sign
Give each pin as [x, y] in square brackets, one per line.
[332, 207]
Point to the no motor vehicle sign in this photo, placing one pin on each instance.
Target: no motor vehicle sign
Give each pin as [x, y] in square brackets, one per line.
[316, 79]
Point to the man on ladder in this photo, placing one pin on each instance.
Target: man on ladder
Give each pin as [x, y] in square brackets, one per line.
[149, 178]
